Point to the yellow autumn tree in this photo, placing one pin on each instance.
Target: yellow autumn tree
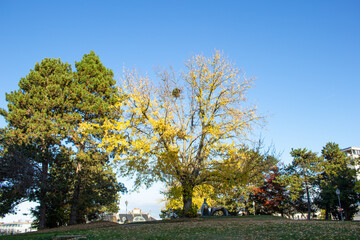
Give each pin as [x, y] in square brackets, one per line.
[181, 128]
[232, 181]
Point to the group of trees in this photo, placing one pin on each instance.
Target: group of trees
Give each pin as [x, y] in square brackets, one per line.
[306, 186]
[189, 131]
[44, 157]
[232, 186]
[309, 184]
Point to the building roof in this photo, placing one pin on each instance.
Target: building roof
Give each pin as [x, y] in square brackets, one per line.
[350, 148]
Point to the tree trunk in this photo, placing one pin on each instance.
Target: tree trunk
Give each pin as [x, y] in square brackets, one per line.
[308, 202]
[75, 198]
[327, 213]
[75, 205]
[43, 191]
[187, 199]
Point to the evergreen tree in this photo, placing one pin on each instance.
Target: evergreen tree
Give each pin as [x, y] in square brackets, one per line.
[36, 116]
[99, 191]
[302, 172]
[94, 94]
[18, 173]
[336, 174]
[74, 179]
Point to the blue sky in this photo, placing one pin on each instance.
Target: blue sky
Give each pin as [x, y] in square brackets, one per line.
[304, 54]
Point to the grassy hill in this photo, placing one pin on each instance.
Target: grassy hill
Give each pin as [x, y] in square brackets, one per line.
[248, 227]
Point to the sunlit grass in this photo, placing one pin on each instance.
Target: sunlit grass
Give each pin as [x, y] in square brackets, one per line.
[251, 227]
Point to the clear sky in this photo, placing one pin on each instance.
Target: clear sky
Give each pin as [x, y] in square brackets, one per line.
[304, 54]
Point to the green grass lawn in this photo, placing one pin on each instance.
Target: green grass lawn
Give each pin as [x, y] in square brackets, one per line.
[249, 227]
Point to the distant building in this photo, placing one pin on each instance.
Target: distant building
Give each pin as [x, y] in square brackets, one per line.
[353, 153]
[135, 216]
[106, 217]
[15, 228]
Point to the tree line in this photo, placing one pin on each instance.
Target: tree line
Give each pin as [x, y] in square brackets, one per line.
[308, 185]
[67, 130]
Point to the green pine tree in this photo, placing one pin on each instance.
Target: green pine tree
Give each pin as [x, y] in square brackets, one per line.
[303, 171]
[75, 179]
[94, 94]
[36, 116]
[336, 174]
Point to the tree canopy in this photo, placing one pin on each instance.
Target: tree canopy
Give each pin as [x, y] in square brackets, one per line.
[181, 127]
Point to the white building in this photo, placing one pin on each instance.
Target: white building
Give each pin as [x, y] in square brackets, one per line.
[354, 154]
[15, 228]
